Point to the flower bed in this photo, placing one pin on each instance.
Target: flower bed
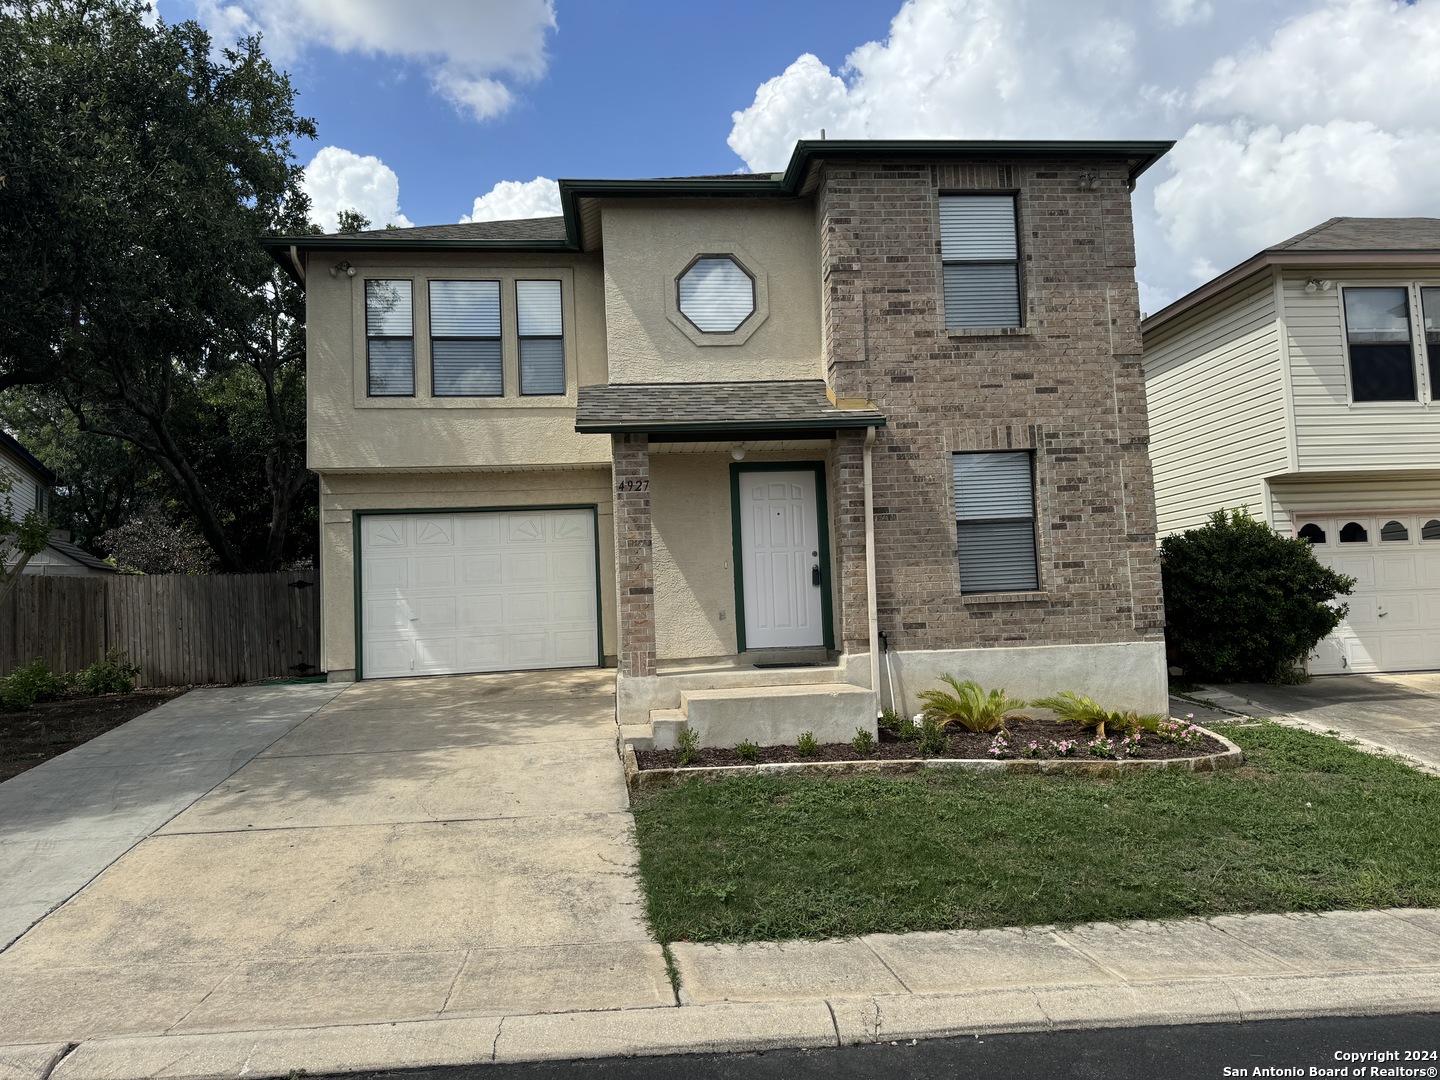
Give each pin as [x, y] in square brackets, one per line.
[1060, 748]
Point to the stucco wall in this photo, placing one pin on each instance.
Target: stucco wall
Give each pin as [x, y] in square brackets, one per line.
[693, 550]
[648, 244]
[342, 493]
[694, 567]
[349, 430]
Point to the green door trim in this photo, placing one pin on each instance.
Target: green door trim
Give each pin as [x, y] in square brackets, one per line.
[358, 562]
[822, 520]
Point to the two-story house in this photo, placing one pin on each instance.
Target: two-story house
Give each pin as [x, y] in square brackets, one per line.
[724, 432]
[1304, 384]
[30, 484]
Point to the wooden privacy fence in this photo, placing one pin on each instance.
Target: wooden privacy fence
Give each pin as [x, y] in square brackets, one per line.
[179, 628]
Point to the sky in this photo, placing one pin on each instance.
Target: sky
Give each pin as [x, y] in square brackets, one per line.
[1285, 112]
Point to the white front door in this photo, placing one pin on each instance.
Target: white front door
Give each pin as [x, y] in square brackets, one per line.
[780, 559]
[1394, 619]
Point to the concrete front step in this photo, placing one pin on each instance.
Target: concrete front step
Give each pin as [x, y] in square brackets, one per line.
[777, 715]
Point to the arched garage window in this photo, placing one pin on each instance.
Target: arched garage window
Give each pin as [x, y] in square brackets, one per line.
[1313, 533]
[1394, 530]
[1354, 533]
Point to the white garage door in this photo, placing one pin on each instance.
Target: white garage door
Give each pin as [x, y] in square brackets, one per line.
[1394, 619]
[490, 591]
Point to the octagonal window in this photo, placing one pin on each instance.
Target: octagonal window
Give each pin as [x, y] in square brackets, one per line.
[716, 294]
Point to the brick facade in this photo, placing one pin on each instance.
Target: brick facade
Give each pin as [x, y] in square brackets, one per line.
[634, 570]
[1067, 385]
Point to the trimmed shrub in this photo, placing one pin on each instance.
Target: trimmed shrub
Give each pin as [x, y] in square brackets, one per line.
[113, 675]
[1244, 604]
[26, 685]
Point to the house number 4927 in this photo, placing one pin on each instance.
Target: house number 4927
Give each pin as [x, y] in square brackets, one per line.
[633, 485]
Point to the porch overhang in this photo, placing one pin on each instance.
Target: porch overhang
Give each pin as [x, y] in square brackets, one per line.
[731, 410]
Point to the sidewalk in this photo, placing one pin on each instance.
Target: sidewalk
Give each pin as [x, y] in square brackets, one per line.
[876, 988]
[66, 820]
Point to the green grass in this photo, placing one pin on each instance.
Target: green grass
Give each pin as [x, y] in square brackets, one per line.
[1308, 824]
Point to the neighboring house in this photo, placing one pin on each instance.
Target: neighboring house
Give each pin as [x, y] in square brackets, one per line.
[30, 488]
[1304, 384]
[701, 427]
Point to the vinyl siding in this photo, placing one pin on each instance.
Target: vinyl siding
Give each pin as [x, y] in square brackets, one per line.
[1331, 433]
[22, 492]
[1216, 397]
[1354, 493]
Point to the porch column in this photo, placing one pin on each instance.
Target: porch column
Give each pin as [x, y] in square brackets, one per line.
[634, 571]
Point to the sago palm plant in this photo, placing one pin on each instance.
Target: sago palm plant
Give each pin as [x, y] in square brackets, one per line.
[1070, 707]
[970, 706]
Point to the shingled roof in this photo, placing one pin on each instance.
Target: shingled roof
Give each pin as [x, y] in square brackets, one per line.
[537, 228]
[715, 407]
[1367, 234]
[1338, 242]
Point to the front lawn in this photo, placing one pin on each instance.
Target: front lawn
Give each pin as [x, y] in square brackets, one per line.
[1308, 824]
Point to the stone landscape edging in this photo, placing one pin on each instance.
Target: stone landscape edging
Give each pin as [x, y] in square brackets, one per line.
[1232, 757]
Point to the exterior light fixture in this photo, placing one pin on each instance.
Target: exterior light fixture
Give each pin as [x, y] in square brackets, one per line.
[342, 268]
[738, 451]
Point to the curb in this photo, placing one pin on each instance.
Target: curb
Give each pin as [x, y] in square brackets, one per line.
[727, 1027]
[637, 779]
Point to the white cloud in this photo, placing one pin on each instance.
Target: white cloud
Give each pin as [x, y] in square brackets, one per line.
[468, 47]
[1185, 12]
[1349, 59]
[1288, 111]
[512, 199]
[338, 180]
[1259, 185]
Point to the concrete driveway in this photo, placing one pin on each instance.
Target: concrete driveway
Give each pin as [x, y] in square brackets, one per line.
[1399, 712]
[415, 849]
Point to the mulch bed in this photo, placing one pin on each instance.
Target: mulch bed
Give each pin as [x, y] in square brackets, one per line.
[962, 744]
[41, 732]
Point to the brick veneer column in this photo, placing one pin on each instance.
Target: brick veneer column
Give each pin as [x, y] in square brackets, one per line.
[634, 573]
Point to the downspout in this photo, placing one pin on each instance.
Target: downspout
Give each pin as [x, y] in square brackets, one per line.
[870, 571]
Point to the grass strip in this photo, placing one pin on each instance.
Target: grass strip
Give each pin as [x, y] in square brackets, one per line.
[1308, 824]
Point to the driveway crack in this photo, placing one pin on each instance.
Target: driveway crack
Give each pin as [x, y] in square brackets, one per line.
[68, 1049]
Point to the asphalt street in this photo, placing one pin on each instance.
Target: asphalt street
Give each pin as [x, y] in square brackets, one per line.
[1154, 1053]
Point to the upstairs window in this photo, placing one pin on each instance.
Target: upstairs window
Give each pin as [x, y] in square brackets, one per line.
[389, 338]
[716, 294]
[465, 339]
[995, 522]
[1377, 330]
[542, 337]
[1430, 312]
[980, 257]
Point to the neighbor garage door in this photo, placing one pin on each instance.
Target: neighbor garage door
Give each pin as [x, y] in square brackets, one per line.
[1394, 619]
[487, 591]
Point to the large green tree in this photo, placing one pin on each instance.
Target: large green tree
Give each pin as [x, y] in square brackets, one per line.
[139, 168]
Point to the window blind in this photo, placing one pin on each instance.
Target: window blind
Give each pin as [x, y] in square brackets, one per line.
[977, 227]
[716, 295]
[981, 261]
[542, 337]
[389, 338]
[995, 522]
[983, 295]
[465, 356]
